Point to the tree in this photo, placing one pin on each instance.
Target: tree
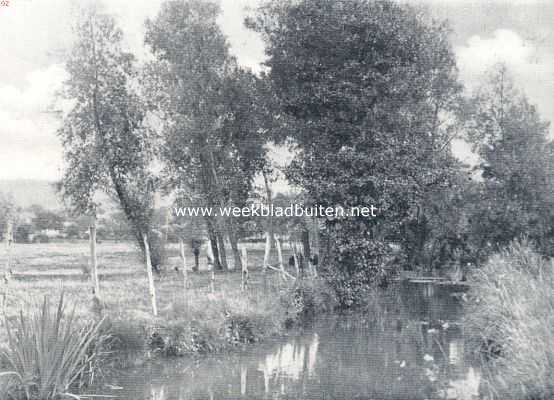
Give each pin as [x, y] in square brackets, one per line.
[364, 87]
[108, 144]
[212, 147]
[8, 213]
[516, 166]
[47, 220]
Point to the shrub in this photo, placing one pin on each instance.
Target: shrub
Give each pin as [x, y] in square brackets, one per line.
[307, 298]
[48, 353]
[41, 238]
[351, 273]
[511, 320]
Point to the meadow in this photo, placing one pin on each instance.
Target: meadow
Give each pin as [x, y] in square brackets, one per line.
[198, 319]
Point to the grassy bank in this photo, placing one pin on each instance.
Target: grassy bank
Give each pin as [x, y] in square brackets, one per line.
[511, 322]
[198, 320]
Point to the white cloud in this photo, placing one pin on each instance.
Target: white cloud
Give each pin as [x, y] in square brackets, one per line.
[531, 65]
[30, 148]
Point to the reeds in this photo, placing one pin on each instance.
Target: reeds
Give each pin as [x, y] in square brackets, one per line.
[48, 352]
[511, 320]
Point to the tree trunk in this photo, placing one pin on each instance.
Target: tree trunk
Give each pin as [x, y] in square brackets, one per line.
[185, 272]
[269, 196]
[212, 234]
[280, 258]
[151, 287]
[222, 251]
[94, 260]
[267, 251]
[244, 270]
[305, 239]
[296, 261]
[234, 248]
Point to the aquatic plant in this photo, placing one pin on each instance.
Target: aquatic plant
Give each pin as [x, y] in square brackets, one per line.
[49, 352]
[511, 320]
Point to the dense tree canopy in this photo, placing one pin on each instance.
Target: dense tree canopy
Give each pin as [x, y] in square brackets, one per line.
[363, 87]
[517, 164]
[212, 146]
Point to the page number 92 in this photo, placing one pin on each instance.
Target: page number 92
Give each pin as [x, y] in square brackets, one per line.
[4, 3]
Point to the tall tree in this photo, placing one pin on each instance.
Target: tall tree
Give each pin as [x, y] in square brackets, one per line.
[108, 145]
[212, 147]
[364, 87]
[517, 164]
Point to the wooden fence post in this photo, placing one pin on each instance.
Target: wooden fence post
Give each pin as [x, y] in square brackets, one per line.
[267, 251]
[296, 262]
[280, 257]
[9, 241]
[244, 270]
[7, 273]
[212, 278]
[211, 266]
[185, 272]
[151, 287]
[94, 260]
[243, 379]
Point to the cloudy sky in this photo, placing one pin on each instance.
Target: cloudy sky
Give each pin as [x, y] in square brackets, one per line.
[35, 33]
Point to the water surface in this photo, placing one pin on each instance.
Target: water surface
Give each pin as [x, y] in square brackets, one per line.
[409, 345]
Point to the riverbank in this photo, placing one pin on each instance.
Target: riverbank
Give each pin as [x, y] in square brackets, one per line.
[204, 321]
[510, 321]
[207, 317]
[211, 316]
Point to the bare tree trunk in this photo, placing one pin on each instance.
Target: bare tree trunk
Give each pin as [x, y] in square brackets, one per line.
[269, 197]
[296, 262]
[244, 270]
[94, 259]
[267, 251]
[305, 238]
[280, 257]
[211, 266]
[212, 234]
[185, 272]
[151, 287]
[234, 247]
[222, 251]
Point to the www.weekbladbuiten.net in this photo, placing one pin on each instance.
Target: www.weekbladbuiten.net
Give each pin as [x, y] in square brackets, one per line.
[264, 210]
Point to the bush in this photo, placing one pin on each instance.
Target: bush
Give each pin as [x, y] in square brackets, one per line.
[354, 271]
[511, 320]
[48, 353]
[22, 233]
[41, 238]
[307, 298]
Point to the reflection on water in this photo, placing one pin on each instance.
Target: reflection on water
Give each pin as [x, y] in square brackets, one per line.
[408, 346]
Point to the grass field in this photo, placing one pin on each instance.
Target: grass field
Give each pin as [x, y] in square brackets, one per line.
[49, 269]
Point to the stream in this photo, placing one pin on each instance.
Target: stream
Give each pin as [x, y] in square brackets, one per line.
[409, 345]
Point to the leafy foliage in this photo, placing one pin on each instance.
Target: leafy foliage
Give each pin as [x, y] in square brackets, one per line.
[211, 146]
[363, 89]
[108, 143]
[516, 165]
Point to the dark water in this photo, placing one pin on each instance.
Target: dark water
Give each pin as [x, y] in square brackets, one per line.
[408, 345]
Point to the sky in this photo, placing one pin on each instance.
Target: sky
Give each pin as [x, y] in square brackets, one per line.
[34, 35]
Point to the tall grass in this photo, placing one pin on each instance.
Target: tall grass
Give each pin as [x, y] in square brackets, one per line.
[511, 320]
[48, 352]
